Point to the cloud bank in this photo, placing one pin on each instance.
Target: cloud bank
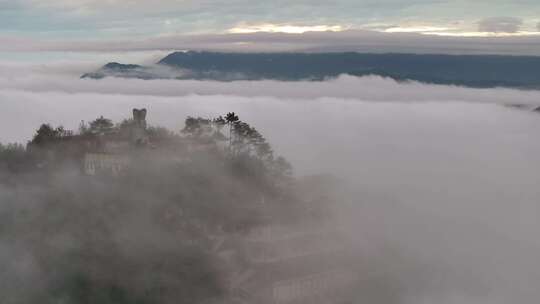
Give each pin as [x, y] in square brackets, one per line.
[443, 181]
[349, 40]
[500, 24]
[136, 18]
[63, 77]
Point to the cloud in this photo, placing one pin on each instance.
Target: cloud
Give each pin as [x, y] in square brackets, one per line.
[500, 25]
[60, 81]
[416, 29]
[97, 18]
[282, 28]
[9, 4]
[63, 77]
[443, 186]
[349, 40]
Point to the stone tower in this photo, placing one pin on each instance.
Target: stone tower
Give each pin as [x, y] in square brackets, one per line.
[139, 135]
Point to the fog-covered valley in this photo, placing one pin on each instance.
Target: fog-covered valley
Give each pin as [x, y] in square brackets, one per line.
[437, 186]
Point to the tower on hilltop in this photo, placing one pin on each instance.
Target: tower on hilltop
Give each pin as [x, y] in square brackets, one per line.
[139, 135]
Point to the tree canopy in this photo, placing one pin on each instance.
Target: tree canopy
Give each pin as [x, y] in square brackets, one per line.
[149, 235]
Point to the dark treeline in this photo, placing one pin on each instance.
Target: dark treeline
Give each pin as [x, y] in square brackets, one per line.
[149, 234]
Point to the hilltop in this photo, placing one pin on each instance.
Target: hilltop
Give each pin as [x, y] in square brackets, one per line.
[123, 213]
[480, 71]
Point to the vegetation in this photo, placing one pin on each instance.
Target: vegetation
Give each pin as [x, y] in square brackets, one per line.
[46, 134]
[148, 235]
[13, 158]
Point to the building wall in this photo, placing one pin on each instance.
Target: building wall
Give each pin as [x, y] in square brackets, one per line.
[95, 163]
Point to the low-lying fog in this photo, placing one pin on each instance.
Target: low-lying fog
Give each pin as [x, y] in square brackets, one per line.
[444, 181]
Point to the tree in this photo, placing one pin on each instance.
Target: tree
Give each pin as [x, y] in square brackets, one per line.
[231, 119]
[101, 126]
[255, 139]
[263, 150]
[83, 128]
[282, 167]
[125, 127]
[219, 123]
[13, 157]
[197, 127]
[46, 133]
[240, 131]
[159, 133]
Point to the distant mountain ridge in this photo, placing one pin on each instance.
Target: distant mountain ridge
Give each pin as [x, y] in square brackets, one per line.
[119, 70]
[480, 71]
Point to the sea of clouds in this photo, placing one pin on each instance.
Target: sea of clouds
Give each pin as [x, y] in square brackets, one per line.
[442, 181]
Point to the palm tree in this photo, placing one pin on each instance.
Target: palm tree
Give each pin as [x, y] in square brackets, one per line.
[231, 118]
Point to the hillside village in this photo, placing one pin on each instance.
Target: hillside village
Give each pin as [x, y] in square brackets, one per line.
[216, 187]
[101, 148]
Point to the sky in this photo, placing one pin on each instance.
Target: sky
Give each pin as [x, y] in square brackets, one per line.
[105, 25]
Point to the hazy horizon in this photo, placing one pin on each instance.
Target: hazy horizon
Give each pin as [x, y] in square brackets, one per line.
[432, 189]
